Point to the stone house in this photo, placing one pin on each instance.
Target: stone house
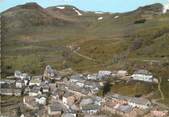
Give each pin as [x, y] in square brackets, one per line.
[45, 87]
[142, 75]
[120, 99]
[90, 109]
[68, 99]
[122, 73]
[55, 109]
[76, 78]
[17, 74]
[35, 80]
[90, 104]
[51, 73]
[141, 103]
[41, 100]
[92, 76]
[19, 84]
[69, 115]
[10, 91]
[104, 74]
[30, 102]
[35, 91]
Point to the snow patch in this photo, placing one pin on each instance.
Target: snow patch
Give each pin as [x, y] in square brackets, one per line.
[100, 18]
[115, 17]
[165, 8]
[61, 7]
[99, 12]
[78, 12]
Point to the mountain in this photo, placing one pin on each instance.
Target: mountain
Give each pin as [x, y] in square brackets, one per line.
[130, 38]
[27, 15]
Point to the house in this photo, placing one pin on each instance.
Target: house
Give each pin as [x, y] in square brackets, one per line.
[159, 113]
[19, 84]
[52, 87]
[43, 112]
[114, 74]
[55, 109]
[93, 86]
[10, 92]
[77, 77]
[30, 102]
[69, 115]
[142, 75]
[5, 91]
[92, 76]
[8, 83]
[17, 92]
[103, 74]
[74, 108]
[90, 109]
[80, 83]
[98, 100]
[41, 100]
[36, 80]
[90, 104]
[141, 103]
[123, 108]
[122, 73]
[24, 76]
[68, 99]
[120, 99]
[91, 100]
[17, 74]
[5, 84]
[78, 90]
[51, 73]
[45, 87]
[35, 91]
[55, 94]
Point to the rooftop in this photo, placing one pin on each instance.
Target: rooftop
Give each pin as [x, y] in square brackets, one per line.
[141, 101]
[142, 71]
[125, 108]
[121, 97]
[67, 94]
[90, 107]
[56, 106]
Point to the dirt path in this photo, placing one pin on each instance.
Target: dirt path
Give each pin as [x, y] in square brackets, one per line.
[83, 56]
[75, 51]
[159, 88]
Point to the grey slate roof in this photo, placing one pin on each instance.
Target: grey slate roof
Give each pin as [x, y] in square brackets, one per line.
[56, 106]
[142, 71]
[140, 101]
[90, 107]
[120, 97]
[125, 108]
[67, 94]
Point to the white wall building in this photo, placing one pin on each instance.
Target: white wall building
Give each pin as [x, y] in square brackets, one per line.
[41, 100]
[143, 75]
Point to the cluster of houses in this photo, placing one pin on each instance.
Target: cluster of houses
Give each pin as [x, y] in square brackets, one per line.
[125, 105]
[53, 94]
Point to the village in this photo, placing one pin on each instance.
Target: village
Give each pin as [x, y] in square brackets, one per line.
[69, 94]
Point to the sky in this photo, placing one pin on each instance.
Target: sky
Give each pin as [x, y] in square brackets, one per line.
[87, 5]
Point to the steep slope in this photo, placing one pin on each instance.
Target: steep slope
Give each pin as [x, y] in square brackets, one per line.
[27, 15]
[50, 32]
